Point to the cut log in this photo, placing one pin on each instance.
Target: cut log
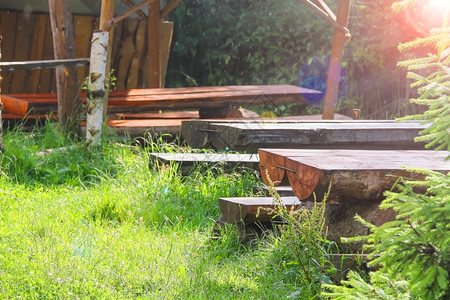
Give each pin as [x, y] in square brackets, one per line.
[235, 210]
[349, 135]
[239, 113]
[188, 161]
[282, 191]
[353, 174]
[198, 133]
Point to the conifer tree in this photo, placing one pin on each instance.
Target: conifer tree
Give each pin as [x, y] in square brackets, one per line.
[413, 252]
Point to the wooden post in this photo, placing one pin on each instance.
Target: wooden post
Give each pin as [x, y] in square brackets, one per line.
[106, 14]
[66, 78]
[334, 70]
[154, 73]
[96, 88]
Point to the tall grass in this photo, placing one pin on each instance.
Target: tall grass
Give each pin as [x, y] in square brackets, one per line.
[103, 225]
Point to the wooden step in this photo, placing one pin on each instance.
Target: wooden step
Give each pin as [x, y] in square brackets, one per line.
[188, 161]
[283, 191]
[319, 135]
[356, 175]
[252, 209]
[200, 133]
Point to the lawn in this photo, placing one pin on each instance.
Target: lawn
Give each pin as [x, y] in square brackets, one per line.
[102, 224]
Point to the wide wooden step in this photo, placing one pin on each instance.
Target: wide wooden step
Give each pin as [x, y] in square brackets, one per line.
[252, 209]
[188, 161]
[251, 135]
[353, 174]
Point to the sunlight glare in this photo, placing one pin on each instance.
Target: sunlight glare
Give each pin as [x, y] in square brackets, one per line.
[440, 4]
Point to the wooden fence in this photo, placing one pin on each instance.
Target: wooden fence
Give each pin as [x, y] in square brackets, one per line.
[28, 37]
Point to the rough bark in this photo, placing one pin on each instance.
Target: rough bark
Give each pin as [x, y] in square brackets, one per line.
[66, 78]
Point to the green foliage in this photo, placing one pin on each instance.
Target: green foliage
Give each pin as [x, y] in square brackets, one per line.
[47, 157]
[243, 42]
[380, 287]
[431, 76]
[413, 252]
[268, 42]
[303, 248]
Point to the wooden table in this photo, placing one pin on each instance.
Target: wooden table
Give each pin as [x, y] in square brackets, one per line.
[353, 174]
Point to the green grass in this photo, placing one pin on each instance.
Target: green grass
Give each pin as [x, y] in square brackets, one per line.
[103, 225]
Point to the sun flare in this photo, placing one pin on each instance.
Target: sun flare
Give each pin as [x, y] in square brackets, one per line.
[440, 4]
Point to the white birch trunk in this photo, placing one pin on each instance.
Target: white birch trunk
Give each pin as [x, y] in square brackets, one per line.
[97, 88]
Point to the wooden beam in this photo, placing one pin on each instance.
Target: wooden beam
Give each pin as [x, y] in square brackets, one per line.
[44, 64]
[66, 78]
[329, 18]
[169, 7]
[154, 77]
[131, 4]
[128, 13]
[106, 14]
[334, 70]
[321, 4]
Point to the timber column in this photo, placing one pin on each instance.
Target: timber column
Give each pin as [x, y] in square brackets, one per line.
[66, 77]
[106, 14]
[334, 70]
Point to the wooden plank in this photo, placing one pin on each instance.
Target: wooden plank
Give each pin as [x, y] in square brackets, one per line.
[37, 48]
[282, 191]
[165, 40]
[138, 58]
[187, 161]
[47, 79]
[82, 29]
[238, 209]
[153, 47]
[353, 174]
[171, 5]
[126, 53]
[156, 115]
[183, 98]
[43, 64]
[368, 135]
[22, 48]
[131, 4]
[8, 25]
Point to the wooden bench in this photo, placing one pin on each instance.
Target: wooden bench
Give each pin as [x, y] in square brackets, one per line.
[249, 135]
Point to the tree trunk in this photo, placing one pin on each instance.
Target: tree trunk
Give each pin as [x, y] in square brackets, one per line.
[96, 88]
[66, 78]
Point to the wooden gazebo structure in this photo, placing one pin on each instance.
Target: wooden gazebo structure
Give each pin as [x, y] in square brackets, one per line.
[111, 12]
